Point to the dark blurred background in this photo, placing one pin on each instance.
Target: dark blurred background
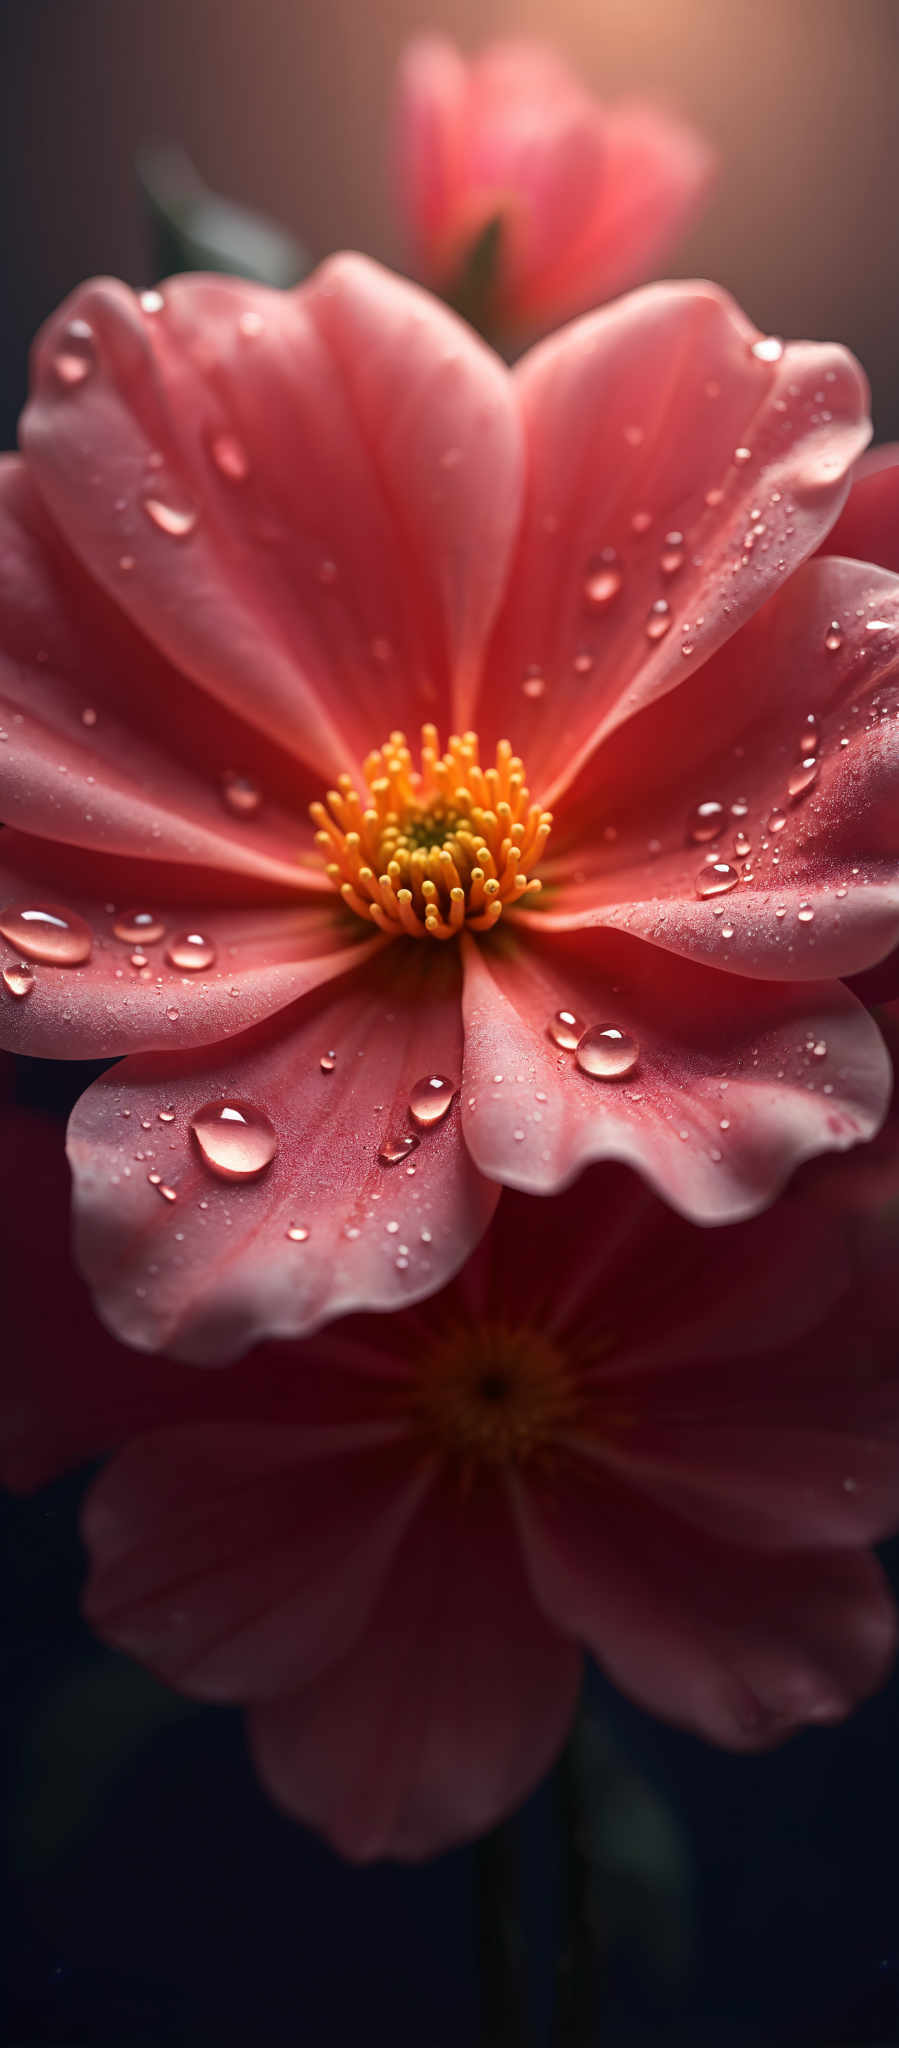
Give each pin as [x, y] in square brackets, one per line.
[155, 1896]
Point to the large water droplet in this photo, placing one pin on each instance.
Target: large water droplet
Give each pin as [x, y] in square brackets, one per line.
[565, 1029]
[606, 1053]
[19, 980]
[139, 927]
[175, 520]
[48, 933]
[328, 1062]
[230, 457]
[430, 1099]
[190, 952]
[76, 354]
[803, 776]
[776, 821]
[805, 913]
[658, 619]
[397, 1148]
[601, 586]
[237, 1141]
[705, 822]
[716, 879]
[240, 794]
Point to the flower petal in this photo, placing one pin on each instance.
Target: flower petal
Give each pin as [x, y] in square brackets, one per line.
[262, 960]
[868, 526]
[635, 417]
[819, 872]
[447, 1711]
[740, 1648]
[208, 1274]
[431, 93]
[240, 1561]
[727, 1097]
[105, 745]
[319, 488]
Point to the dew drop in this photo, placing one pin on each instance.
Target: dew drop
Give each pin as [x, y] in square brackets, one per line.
[582, 664]
[88, 715]
[672, 557]
[328, 1062]
[236, 1141]
[297, 1232]
[168, 1194]
[716, 878]
[819, 1049]
[776, 821]
[805, 913]
[138, 959]
[430, 1099]
[166, 1116]
[397, 1148]
[602, 586]
[742, 845]
[240, 794]
[658, 619]
[152, 302]
[705, 822]
[566, 1030]
[230, 457]
[641, 522]
[742, 455]
[48, 933]
[173, 1014]
[251, 324]
[19, 980]
[727, 931]
[714, 497]
[175, 520]
[803, 776]
[534, 684]
[606, 1053]
[810, 737]
[768, 349]
[76, 354]
[740, 807]
[141, 926]
[833, 638]
[190, 952]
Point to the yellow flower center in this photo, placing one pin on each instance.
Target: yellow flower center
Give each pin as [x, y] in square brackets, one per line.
[494, 1395]
[427, 850]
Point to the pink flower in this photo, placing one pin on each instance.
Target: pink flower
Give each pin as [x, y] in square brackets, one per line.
[253, 536]
[584, 199]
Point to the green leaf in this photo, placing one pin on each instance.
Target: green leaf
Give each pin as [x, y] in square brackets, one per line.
[193, 228]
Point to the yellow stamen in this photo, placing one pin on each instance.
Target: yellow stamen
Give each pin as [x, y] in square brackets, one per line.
[429, 850]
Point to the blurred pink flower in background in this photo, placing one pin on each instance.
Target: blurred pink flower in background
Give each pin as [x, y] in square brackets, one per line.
[585, 199]
[613, 1430]
[256, 533]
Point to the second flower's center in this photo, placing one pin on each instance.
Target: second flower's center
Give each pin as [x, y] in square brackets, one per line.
[494, 1395]
[427, 850]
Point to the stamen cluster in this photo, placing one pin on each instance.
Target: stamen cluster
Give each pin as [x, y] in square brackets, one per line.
[492, 1394]
[429, 850]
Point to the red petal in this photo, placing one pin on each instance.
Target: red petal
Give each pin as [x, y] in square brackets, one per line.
[621, 426]
[346, 476]
[447, 1711]
[711, 1047]
[742, 1649]
[209, 1274]
[818, 892]
[868, 526]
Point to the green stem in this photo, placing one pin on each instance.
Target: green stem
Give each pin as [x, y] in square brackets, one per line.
[576, 2012]
[501, 1945]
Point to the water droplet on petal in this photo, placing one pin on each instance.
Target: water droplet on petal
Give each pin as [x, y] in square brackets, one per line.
[88, 715]
[138, 959]
[230, 457]
[48, 933]
[602, 586]
[141, 926]
[395, 1149]
[168, 1194]
[240, 794]
[776, 821]
[606, 1053]
[297, 1232]
[534, 684]
[19, 980]
[716, 879]
[705, 822]
[819, 1049]
[152, 302]
[658, 619]
[175, 520]
[251, 324]
[190, 952]
[740, 807]
[727, 931]
[237, 1141]
[328, 1062]
[742, 455]
[565, 1029]
[641, 522]
[714, 497]
[768, 349]
[805, 913]
[672, 557]
[173, 1014]
[833, 638]
[430, 1099]
[810, 737]
[742, 845]
[76, 354]
[803, 776]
